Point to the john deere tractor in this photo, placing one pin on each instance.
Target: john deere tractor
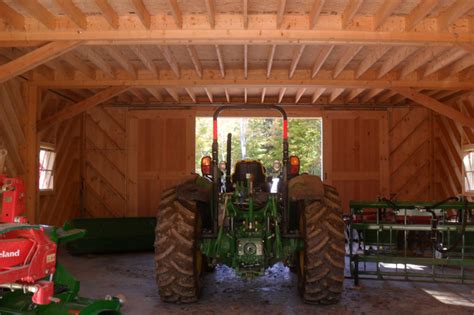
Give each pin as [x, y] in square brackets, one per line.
[249, 221]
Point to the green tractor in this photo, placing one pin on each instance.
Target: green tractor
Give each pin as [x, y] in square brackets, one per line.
[249, 221]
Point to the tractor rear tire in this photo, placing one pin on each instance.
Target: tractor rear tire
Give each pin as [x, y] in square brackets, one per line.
[178, 260]
[321, 264]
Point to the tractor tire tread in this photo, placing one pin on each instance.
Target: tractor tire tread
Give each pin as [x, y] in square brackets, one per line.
[175, 241]
[323, 232]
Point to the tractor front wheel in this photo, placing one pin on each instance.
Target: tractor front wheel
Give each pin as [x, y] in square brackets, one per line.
[321, 263]
[178, 260]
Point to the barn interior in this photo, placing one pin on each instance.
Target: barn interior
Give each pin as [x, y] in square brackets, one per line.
[109, 92]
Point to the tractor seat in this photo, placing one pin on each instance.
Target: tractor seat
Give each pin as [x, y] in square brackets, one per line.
[249, 167]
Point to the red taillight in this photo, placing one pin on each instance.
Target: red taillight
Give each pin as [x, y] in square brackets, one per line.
[206, 163]
[294, 165]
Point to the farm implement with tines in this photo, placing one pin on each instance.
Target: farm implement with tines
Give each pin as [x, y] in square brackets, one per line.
[412, 240]
[250, 220]
[31, 280]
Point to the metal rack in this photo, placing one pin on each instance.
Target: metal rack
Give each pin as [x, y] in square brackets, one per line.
[400, 240]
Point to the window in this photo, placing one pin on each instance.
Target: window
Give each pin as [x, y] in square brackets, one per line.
[46, 167]
[468, 162]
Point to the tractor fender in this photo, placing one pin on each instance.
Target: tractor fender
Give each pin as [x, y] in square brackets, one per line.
[194, 188]
[305, 187]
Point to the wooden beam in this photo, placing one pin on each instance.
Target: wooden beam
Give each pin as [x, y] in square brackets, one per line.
[397, 55]
[35, 58]
[346, 57]
[32, 153]
[156, 94]
[145, 59]
[73, 12]
[142, 13]
[349, 12]
[443, 60]
[385, 11]
[77, 108]
[454, 12]
[262, 98]
[320, 59]
[173, 93]
[209, 95]
[420, 59]
[221, 61]
[176, 12]
[353, 94]
[297, 53]
[467, 47]
[12, 17]
[372, 57]
[270, 60]
[191, 94]
[195, 59]
[108, 12]
[238, 36]
[370, 95]
[317, 94]
[421, 11]
[385, 96]
[227, 96]
[259, 80]
[246, 13]
[299, 94]
[315, 12]
[281, 94]
[246, 61]
[458, 66]
[211, 12]
[335, 94]
[280, 13]
[39, 12]
[97, 60]
[171, 60]
[137, 93]
[121, 60]
[72, 59]
[436, 106]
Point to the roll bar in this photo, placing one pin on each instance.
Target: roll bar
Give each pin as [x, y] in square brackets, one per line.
[215, 158]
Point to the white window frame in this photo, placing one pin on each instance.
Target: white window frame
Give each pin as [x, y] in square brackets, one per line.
[467, 150]
[50, 169]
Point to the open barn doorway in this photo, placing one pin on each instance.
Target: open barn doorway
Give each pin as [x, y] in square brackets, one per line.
[260, 138]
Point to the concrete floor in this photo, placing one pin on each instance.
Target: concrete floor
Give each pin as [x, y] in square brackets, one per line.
[274, 293]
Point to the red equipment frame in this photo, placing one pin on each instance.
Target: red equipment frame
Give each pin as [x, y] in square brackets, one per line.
[27, 255]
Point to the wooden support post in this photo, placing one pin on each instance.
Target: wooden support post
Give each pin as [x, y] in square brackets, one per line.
[32, 152]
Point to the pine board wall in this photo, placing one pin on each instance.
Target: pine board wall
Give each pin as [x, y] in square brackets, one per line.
[115, 162]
